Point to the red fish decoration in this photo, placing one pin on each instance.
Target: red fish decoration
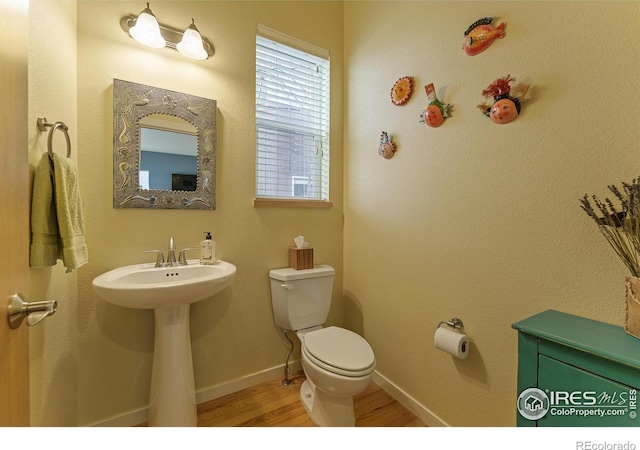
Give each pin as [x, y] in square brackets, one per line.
[480, 35]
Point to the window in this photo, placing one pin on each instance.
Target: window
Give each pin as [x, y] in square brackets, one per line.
[144, 179]
[292, 118]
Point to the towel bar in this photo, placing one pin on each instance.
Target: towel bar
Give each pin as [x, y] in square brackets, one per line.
[43, 125]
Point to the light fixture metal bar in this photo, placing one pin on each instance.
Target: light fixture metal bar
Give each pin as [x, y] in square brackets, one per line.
[171, 35]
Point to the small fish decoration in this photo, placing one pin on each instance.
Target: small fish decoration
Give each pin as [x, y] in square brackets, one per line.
[505, 107]
[387, 148]
[436, 111]
[480, 35]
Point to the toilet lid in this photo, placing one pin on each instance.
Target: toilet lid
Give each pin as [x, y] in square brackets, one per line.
[340, 351]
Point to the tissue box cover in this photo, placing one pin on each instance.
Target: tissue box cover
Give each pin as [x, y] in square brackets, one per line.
[300, 258]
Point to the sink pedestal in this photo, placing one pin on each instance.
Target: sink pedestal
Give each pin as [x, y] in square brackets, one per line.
[173, 398]
[168, 290]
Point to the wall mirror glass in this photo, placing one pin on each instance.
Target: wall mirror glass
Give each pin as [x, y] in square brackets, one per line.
[164, 148]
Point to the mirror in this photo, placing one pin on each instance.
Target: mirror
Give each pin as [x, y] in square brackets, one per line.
[168, 153]
[164, 148]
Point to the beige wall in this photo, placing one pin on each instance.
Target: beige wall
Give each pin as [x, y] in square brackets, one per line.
[233, 334]
[473, 219]
[53, 90]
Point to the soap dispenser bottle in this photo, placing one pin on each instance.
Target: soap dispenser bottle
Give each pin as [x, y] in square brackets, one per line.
[207, 250]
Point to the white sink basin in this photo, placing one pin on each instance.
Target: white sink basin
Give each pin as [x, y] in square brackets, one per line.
[144, 286]
[169, 291]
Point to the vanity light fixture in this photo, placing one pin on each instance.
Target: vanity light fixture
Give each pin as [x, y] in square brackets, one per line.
[191, 43]
[146, 30]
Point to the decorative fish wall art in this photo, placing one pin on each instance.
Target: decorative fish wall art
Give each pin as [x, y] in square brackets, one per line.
[505, 107]
[387, 148]
[436, 111]
[480, 35]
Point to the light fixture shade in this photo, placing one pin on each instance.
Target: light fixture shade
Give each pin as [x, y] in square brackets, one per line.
[147, 31]
[191, 45]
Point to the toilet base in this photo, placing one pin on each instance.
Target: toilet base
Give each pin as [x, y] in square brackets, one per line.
[327, 410]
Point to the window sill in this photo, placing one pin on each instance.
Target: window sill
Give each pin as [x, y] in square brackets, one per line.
[286, 203]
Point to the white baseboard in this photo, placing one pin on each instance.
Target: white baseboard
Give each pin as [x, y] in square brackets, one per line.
[245, 382]
[420, 411]
[139, 416]
[130, 419]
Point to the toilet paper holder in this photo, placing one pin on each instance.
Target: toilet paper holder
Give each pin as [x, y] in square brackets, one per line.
[454, 323]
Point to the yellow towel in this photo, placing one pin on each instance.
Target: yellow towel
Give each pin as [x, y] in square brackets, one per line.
[57, 225]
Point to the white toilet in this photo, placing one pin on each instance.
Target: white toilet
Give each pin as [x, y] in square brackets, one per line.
[338, 363]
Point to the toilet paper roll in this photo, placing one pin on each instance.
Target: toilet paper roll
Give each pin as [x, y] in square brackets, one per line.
[452, 342]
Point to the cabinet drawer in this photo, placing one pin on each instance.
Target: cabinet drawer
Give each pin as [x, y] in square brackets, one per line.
[583, 399]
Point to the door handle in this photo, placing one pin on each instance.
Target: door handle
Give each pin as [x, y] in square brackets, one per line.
[33, 311]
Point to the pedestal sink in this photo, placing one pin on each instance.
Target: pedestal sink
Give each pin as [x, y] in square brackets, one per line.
[169, 291]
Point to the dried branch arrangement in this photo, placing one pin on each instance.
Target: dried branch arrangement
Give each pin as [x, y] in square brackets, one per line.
[619, 224]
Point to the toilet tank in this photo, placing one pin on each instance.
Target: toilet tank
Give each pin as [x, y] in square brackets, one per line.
[301, 298]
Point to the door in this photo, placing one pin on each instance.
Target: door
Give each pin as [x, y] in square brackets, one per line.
[14, 209]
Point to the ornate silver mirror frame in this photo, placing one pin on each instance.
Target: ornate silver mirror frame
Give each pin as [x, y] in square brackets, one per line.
[131, 103]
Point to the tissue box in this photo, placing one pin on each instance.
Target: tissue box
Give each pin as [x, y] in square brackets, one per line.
[300, 258]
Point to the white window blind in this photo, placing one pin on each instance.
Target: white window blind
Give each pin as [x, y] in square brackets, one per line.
[292, 118]
[144, 179]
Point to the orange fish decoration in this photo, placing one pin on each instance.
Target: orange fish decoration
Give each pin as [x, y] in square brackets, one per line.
[480, 35]
[436, 111]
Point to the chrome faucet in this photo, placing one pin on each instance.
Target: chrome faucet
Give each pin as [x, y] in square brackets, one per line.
[171, 254]
[182, 259]
[159, 260]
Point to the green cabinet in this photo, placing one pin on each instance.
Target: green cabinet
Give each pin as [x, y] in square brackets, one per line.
[576, 372]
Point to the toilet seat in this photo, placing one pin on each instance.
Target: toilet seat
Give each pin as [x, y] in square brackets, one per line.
[339, 351]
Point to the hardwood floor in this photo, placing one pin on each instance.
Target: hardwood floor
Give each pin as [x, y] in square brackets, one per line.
[272, 405]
